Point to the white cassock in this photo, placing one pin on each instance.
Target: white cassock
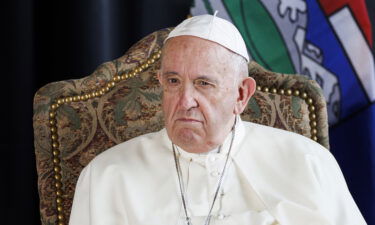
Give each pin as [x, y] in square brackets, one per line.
[274, 177]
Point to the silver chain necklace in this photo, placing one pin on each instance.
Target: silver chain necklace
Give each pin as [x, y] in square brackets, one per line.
[182, 187]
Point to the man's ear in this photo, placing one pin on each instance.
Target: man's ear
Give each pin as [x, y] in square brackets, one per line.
[246, 89]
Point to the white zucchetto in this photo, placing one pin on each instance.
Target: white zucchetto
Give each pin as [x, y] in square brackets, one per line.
[212, 28]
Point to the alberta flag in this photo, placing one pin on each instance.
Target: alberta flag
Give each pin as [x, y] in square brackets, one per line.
[330, 41]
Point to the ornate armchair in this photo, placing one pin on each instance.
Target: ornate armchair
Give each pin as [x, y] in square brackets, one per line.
[75, 120]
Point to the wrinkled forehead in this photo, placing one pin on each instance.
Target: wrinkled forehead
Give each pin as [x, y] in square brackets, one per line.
[194, 50]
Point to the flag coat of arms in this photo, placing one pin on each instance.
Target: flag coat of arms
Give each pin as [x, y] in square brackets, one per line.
[329, 41]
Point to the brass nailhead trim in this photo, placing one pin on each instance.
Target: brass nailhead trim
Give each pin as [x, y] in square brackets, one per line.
[83, 97]
[309, 101]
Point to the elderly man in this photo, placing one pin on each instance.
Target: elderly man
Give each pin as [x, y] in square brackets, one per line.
[207, 166]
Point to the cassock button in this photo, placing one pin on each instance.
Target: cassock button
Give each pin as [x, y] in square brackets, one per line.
[213, 158]
[220, 217]
[215, 173]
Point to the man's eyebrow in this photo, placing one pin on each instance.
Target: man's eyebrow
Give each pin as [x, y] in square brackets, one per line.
[200, 77]
[206, 77]
[170, 73]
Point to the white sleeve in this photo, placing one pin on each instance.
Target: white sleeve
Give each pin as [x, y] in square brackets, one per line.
[337, 203]
[80, 213]
[99, 197]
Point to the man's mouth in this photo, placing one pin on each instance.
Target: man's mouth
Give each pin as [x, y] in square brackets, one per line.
[188, 120]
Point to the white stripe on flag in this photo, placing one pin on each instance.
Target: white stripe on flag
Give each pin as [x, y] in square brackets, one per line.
[356, 48]
[198, 9]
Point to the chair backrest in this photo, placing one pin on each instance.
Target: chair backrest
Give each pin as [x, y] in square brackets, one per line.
[75, 120]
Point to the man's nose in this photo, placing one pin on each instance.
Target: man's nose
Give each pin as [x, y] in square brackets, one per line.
[188, 97]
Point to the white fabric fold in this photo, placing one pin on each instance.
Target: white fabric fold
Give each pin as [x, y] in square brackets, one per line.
[275, 177]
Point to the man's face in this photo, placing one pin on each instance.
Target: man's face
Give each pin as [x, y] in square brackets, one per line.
[200, 89]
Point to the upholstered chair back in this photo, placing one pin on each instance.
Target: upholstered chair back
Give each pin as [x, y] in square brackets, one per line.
[75, 120]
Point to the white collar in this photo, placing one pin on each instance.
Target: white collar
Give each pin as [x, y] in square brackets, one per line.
[239, 135]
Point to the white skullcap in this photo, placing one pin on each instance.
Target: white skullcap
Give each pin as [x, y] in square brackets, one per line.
[214, 29]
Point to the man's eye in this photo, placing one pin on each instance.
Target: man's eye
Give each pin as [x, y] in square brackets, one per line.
[172, 80]
[203, 83]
